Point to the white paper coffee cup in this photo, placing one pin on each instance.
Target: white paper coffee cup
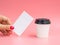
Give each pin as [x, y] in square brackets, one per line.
[42, 27]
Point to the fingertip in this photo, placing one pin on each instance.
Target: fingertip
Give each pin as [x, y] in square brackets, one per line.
[11, 27]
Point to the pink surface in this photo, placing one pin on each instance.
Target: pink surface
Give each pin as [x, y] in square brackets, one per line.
[36, 8]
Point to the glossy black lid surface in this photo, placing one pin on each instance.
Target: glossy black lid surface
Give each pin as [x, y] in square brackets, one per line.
[42, 21]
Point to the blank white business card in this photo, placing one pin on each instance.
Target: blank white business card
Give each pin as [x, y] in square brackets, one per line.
[22, 23]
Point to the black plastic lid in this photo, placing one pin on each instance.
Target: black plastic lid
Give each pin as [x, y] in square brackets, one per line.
[42, 21]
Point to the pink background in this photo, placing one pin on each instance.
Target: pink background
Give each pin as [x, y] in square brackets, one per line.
[36, 8]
